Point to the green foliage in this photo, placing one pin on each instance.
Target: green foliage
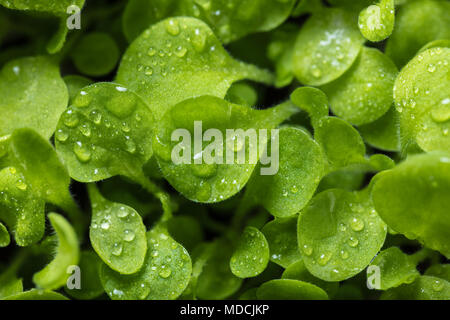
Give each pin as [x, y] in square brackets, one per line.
[186, 52]
[234, 149]
[54, 275]
[364, 93]
[339, 233]
[411, 199]
[326, 46]
[96, 54]
[117, 234]
[421, 94]
[251, 255]
[396, 268]
[230, 19]
[281, 235]
[164, 275]
[376, 22]
[33, 96]
[417, 23]
[287, 289]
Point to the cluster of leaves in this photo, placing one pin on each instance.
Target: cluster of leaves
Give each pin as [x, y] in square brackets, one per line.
[86, 120]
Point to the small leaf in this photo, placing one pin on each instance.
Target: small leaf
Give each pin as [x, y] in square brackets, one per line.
[376, 22]
[327, 45]
[186, 64]
[20, 208]
[364, 93]
[251, 256]
[106, 132]
[55, 275]
[57, 7]
[412, 199]
[339, 233]
[281, 235]
[33, 96]
[424, 288]
[301, 166]
[96, 54]
[165, 274]
[421, 93]
[287, 289]
[4, 236]
[396, 268]
[117, 234]
[312, 100]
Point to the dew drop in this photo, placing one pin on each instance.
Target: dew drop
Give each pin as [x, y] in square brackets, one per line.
[307, 250]
[70, 119]
[357, 224]
[117, 249]
[61, 135]
[172, 27]
[352, 242]
[129, 235]
[83, 154]
[95, 116]
[165, 272]
[323, 259]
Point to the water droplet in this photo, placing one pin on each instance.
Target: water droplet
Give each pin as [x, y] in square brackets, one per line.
[199, 40]
[105, 225]
[294, 189]
[352, 242]
[85, 129]
[117, 249]
[95, 116]
[148, 71]
[431, 68]
[344, 254]
[342, 227]
[357, 224]
[441, 113]
[151, 52]
[70, 118]
[61, 135]
[181, 51]
[204, 191]
[165, 272]
[172, 27]
[307, 250]
[83, 154]
[129, 235]
[204, 170]
[323, 259]
[21, 185]
[438, 285]
[82, 100]
[122, 212]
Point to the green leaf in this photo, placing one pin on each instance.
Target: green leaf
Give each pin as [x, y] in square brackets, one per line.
[376, 22]
[411, 199]
[105, 132]
[165, 274]
[96, 54]
[396, 268]
[182, 60]
[417, 23]
[383, 133]
[216, 280]
[298, 271]
[251, 255]
[37, 294]
[421, 94]
[242, 93]
[33, 96]
[215, 180]
[55, 275]
[20, 208]
[230, 19]
[327, 45]
[58, 39]
[339, 233]
[117, 234]
[9, 284]
[4, 236]
[301, 166]
[346, 179]
[307, 6]
[439, 270]
[38, 161]
[312, 100]
[287, 289]
[91, 287]
[424, 288]
[57, 7]
[341, 142]
[364, 93]
[443, 43]
[74, 84]
[281, 235]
